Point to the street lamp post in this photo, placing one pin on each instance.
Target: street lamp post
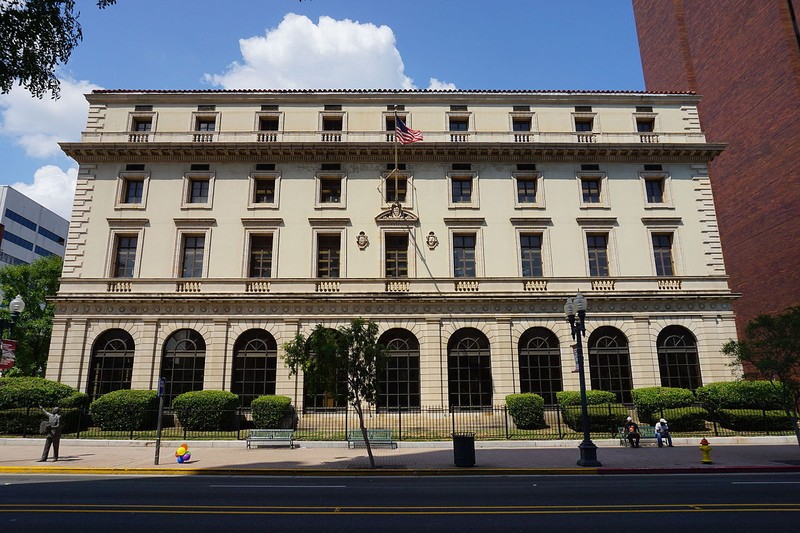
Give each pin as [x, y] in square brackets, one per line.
[16, 306]
[578, 327]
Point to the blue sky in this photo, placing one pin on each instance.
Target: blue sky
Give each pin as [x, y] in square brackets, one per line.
[258, 44]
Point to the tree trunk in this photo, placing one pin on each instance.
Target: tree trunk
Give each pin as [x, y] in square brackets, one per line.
[360, 413]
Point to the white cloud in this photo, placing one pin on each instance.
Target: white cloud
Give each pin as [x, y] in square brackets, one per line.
[37, 125]
[333, 54]
[52, 187]
[436, 85]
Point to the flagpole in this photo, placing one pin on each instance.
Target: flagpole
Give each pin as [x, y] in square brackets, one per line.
[396, 191]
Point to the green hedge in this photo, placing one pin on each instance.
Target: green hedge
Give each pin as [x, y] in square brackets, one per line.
[206, 410]
[740, 395]
[32, 392]
[272, 412]
[126, 410]
[754, 420]
[571, 397]
[683, 419]
[653, 402]
[526, 410]
[603, 418]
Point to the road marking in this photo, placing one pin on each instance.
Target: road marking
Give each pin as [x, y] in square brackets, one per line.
[765, 482]
[278, 486]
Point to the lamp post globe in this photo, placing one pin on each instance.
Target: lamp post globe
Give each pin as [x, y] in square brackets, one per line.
[17, 305]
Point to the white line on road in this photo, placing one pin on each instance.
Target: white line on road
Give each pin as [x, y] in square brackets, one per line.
[765, 482]
[278, 486]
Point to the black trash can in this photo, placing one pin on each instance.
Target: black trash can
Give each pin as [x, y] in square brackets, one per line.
[464, 449]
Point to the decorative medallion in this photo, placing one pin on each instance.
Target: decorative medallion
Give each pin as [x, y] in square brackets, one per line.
[362, 240]
[432, 241]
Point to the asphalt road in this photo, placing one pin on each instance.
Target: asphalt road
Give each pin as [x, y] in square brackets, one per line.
[705, 502]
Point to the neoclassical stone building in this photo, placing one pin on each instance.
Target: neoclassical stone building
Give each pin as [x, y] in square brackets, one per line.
[209, 227]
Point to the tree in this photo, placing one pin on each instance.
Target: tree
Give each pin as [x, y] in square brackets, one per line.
[36, 283]
[37, 36]
[770, 350]
[327, 353]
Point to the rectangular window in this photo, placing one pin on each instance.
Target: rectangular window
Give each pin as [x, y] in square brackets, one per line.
[464, 255]
[16, 217]
[590, 189]
[584, 124]
[19, 241]
[654, 188]
[662, 251]
[205, 124]
[264, 191]
[198, 190]
[526, 190]
[521, 124]
[261, 256]
[330, 190]
[645, 125]
[328, 255]
[125, 256]
[531, 251]
[38, 250]
[142, 124]
[397, 256]
[192, 256]
[134, 191]
[396, 187]
[332, 123]
[459, 123]
[44, 232]
[268, 124]
[462, 189]
[597, 245]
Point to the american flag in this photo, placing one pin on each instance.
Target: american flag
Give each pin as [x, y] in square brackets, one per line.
[405, 134]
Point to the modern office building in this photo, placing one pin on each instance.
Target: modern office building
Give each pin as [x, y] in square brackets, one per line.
[210, 227]
[743, 58]
[29, 230]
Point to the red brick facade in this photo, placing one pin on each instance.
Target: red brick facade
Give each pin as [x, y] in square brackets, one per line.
[743, 58]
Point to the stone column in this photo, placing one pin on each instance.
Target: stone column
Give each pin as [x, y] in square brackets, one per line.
[504, 373]
[433, 365]
[147, 357]
[215, 376]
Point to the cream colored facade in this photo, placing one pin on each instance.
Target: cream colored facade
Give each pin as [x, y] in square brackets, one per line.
[465, 183]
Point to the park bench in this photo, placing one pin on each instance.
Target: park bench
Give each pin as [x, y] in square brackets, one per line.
[260, 437]
[377, 437]
[647, 433]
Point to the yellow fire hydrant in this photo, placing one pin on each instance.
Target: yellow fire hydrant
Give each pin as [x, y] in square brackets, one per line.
[706, 449]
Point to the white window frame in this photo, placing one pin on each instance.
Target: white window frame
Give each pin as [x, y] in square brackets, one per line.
[469, 115]
[540, 198]
[122, 180]
[319, 176]
[524, 115]
[412, 250]
[184, 227]
[198, 115]
[463, 226]
[649, 116]
[474, 201]
[596, 226]
[332, 114]
[667, 180]
[260, 228]
[251, 203]
[121, 227]
[139, 115]
[585, 115]
[188, 177]
[409, 203]
[316, 232]
[661, 225]
[538, 226]
[604, 202]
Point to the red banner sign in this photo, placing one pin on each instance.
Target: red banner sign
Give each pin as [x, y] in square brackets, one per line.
[8, 355]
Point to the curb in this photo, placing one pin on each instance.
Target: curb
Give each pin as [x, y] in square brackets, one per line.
[390, 472]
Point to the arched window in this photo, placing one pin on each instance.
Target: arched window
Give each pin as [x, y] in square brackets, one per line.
[183, 363]
[469, 369]
[399, 385]
[540, 364]
[317, 398]
[677, 358]
[112, 363]
[610, 362]
[255, 358]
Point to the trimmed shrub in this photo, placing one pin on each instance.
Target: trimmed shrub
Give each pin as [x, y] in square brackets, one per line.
[20, 421]
[526, 410]
[126, 410]
[206, 410]
[571, 397]
[603, 417]
[32, 392]
[740, 395]
[272, 412]
[683, 419]
[754, 420]
[652, 402]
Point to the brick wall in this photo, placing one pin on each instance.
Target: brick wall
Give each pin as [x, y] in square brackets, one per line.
[743, 58]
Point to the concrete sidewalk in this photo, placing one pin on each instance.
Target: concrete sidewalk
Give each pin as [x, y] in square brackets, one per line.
[756, 454]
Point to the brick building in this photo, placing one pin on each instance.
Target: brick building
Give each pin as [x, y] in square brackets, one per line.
[743, 58]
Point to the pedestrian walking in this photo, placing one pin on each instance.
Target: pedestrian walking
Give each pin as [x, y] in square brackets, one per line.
[52, 433]
[662, 432]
